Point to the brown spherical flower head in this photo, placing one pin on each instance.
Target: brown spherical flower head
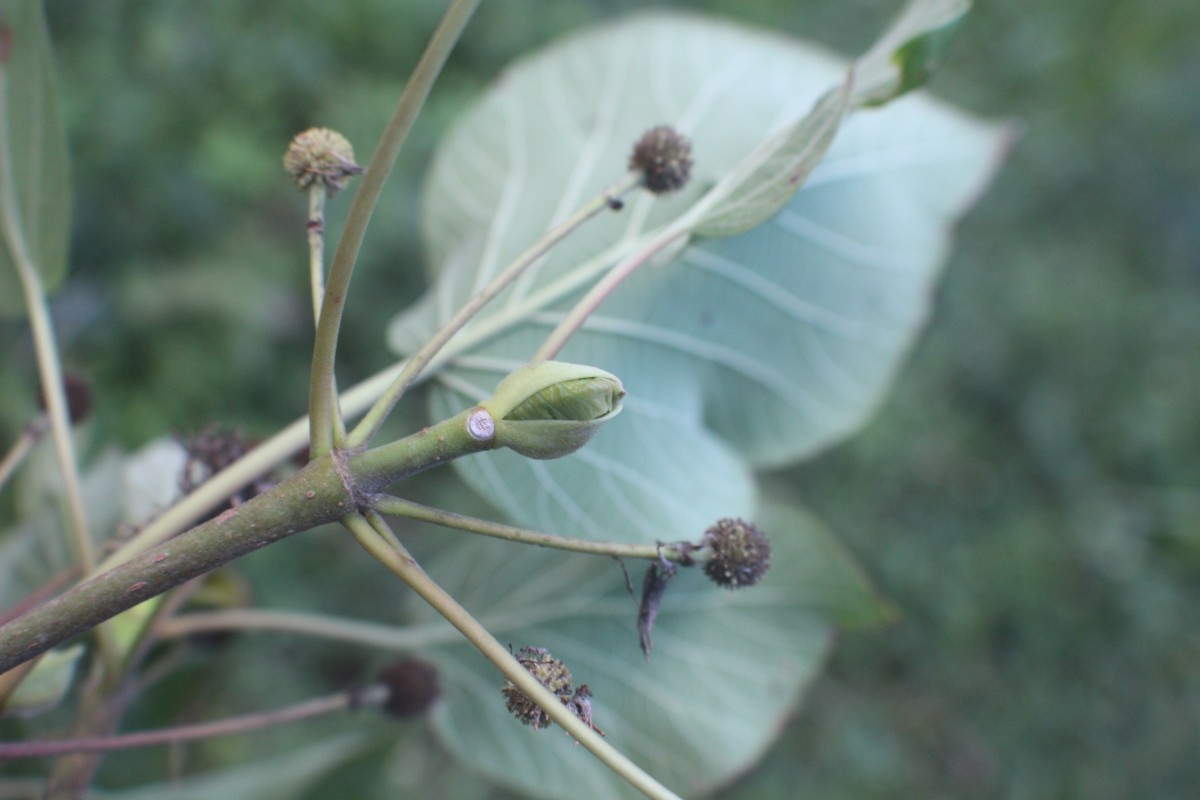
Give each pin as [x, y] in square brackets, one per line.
[664, 157]
[741, 553]
[550, 672]
[320, 155]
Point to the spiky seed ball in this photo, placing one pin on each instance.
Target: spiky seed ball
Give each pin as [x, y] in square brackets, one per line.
[741, 553]
[320, 155]
[550, 672]
[664, 157]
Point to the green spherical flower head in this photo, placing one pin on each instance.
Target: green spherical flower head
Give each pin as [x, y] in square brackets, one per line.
[740, 556]
[549, 409]
[664, 157]
[320, 156]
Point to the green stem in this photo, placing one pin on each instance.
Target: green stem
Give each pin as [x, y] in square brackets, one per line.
[374, 418]
[30, 435]
[316, 244]
[373, 471]
[406, 508]
[367, 533]
[341, 701]
[45, 346]
[324, 626]
[322, 394]
[600, 292]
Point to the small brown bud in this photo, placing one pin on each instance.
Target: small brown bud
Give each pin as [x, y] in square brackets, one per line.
[412, 687]
[664, 157]
[79, 398]
[320, 155]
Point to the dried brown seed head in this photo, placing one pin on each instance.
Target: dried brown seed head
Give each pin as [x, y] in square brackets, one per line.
[664, 157]
[740, 556]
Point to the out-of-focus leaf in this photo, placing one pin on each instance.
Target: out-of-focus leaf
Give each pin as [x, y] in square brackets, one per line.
[44, 687]
[726, 670]
[37, 150]
[765, 181]
[908, 53]
[150, 480]
[34, 550]
[281, 777]
[118, 490]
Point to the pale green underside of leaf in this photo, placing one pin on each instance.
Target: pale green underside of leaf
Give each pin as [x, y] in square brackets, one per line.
[750, 351]
[737, 353]
[37, 153]
[726, 670]
[281, 777]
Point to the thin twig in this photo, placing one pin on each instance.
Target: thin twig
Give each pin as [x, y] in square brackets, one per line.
[397, 506]
[31, 434]
[600, 292]
[341, 701]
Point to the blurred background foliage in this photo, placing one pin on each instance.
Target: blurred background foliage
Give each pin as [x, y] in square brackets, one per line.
[1029, 497]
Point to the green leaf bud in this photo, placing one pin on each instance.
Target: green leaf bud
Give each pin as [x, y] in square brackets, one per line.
[549, 409]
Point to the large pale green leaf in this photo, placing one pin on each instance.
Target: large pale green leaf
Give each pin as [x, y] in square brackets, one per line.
[726, 670]
[745, 351]
[37, 151]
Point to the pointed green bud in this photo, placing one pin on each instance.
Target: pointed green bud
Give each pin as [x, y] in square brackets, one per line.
[549, 409]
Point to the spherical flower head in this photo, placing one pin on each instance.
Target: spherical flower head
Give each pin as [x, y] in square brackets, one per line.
[550, 672]
[740, 556]
[664, 157]
[320, 156]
